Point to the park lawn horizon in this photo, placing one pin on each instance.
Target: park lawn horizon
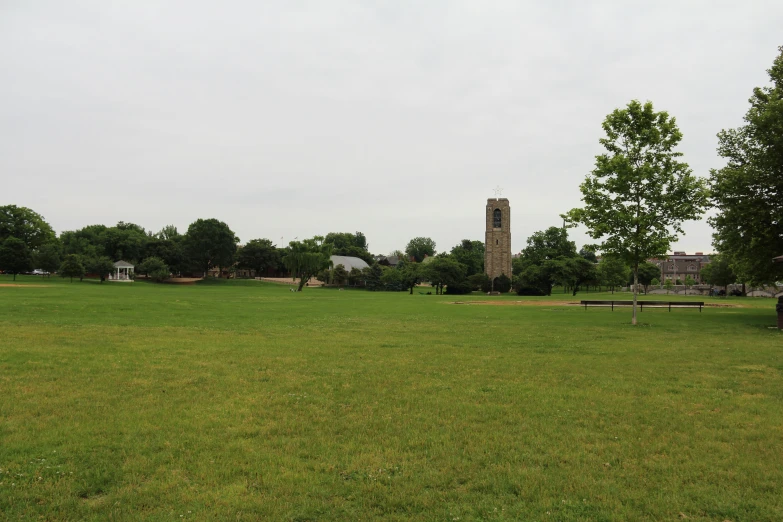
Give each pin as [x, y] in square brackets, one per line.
[242, 400]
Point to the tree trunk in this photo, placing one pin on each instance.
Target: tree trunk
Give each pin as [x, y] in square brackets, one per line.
[412, 289]
[14, 276]
[635, 291]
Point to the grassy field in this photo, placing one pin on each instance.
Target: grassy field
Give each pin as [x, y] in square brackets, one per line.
[243, 401]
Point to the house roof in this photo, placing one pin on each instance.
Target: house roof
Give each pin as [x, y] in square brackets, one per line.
[348, 262]
[122, 264]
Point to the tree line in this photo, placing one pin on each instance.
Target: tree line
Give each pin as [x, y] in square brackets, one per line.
[635, 201]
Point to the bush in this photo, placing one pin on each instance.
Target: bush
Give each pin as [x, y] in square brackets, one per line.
[529, 290]
[736, 293]
[503, 284]
[155, 268]
[478, 281]
[461, 288]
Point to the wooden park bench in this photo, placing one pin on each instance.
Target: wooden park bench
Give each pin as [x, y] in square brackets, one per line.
[648, 304]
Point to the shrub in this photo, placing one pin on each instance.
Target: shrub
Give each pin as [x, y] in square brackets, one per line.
[502, 284]
[478, 281]
[461, 288]
[528, 290]
[155, 268]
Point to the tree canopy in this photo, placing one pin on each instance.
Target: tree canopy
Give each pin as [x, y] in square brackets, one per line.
[101, 266]
[546, 261]
[258, 255]
[443, 271]
[420, 247]
[748, 191]
[15, 256]
[210, 243]
[639, 193]
[25, 225]
[349, 244]
[307, 258]
[718, 271]
[71, 267]
[471, 254]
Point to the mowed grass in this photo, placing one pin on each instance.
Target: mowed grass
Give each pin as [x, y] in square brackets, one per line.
[244, 401]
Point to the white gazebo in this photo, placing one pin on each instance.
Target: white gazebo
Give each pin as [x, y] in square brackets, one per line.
[123, 271]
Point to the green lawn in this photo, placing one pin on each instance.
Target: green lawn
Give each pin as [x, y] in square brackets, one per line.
[243, 401]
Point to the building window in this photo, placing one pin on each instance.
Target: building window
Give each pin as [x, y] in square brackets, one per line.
[692, 268]
[496, 221]
[671, 267]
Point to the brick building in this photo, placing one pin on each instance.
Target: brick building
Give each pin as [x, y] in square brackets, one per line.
[680, 265]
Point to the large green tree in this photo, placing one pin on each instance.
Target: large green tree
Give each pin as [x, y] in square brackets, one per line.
[71, 267]
[471, 254]
[101, 266]
[579, 271]
[349, 244]
[420, 247]
[48, 256]
[639, 194]
[258, 255]
[748, 191]
[546, 261]
[15, 256]
[26, 225]
[612, 271]
[444, 271]
[718, 272]
[210, 243]
[645, 275]
[307, 258]
[155, 268]
[411, 274]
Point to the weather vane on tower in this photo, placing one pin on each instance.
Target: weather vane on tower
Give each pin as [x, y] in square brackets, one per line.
[498, 191]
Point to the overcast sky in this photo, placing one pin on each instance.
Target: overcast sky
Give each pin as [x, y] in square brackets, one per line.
[398, 119]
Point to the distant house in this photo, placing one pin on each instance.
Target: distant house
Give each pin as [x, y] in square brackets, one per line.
[680, 265]
[391, 261]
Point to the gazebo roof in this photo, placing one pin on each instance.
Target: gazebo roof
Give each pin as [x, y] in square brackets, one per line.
[122, 264]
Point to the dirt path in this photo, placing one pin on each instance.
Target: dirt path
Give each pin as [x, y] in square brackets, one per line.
[17, 285]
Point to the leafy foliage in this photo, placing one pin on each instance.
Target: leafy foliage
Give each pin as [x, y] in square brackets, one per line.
[748, 191]
[647, 273]
[502, 284]
[348, 244]
[258, 255]
[155, 268]
[545, 261]
[471, 254]
[71, 267]
[49, 256]
[718, 271]
[25, 225]
[307, 258]
[101, 266]
[639, 193]
[419, 247]
[210, 243]
[15, 256]
[444, 271]
[612, 271]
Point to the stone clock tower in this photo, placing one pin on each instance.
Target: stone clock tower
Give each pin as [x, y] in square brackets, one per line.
[497, 242]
